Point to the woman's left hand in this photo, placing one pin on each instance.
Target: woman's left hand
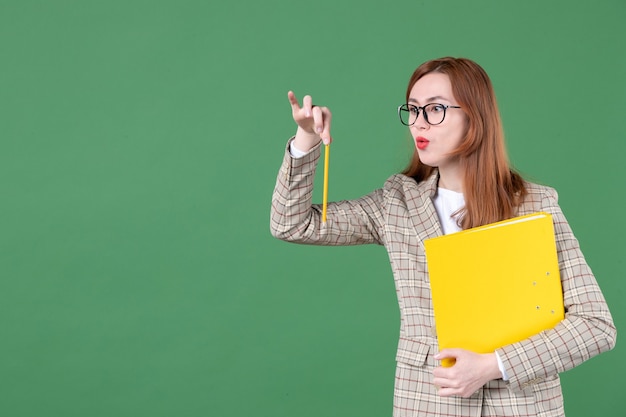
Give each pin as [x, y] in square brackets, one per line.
[470, 372]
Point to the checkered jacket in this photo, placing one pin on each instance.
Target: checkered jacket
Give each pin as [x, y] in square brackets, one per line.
[400, 216]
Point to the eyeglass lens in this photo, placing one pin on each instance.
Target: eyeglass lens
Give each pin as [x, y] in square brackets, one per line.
[433, 113]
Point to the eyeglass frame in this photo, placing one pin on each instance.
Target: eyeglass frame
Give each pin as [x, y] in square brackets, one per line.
[424, 113]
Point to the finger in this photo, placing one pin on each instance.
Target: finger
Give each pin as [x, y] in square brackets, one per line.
[321, 123]
[318, 119]
[445, 386]
[307, 105]
[449, 353]
[295, 106]
[449, 357]
[464, 392]
[443, 382]
[325, 134]
[444, 392]
[450, 392]
[442, 373]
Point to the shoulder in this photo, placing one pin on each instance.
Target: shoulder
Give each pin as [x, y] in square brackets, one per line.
[398, 181]
[538, 197]
[404, 187]
[540, 189]
[403, 182]
[395, 188]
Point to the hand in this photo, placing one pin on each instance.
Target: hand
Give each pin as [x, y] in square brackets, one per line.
[470, 372]
[313, 122]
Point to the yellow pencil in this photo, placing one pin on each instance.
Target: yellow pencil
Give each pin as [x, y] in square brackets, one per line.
[325, 199]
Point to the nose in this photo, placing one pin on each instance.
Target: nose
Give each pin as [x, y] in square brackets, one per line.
[420, 122]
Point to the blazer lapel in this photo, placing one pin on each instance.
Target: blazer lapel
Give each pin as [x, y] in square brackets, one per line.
[419, 200]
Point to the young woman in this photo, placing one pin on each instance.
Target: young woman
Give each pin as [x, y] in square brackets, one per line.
[459, 178]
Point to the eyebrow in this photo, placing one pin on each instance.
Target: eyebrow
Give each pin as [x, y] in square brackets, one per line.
[429, 100]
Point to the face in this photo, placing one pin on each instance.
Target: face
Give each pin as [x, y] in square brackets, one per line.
[435, 142]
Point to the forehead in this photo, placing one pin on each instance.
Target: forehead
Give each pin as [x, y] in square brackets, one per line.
[431, 86]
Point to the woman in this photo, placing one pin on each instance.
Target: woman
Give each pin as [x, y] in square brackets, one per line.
[459, 178]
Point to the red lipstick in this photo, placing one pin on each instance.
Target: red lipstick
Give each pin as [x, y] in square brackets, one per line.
[421, 143]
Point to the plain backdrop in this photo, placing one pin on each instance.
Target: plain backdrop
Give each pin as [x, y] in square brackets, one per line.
[140, 141]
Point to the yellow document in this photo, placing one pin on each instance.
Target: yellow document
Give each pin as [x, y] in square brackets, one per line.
[496, 284]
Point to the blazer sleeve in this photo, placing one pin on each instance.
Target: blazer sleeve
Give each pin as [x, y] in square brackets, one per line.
[294, 218]
[587, 329]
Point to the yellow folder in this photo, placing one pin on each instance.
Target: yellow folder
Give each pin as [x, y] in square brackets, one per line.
[496, 284]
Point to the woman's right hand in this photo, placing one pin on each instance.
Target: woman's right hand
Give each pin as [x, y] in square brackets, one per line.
[313, 123]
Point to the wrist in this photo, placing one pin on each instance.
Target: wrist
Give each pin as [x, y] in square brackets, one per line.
[493, 370]
[305, 140]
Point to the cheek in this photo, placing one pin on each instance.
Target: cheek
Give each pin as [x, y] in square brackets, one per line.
[465, 125]
[459, 132]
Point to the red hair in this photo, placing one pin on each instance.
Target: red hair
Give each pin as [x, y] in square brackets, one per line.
[492, 190]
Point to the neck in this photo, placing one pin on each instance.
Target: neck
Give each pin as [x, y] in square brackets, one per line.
[451, 179]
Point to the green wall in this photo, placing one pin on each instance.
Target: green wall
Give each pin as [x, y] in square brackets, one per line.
[139, 145]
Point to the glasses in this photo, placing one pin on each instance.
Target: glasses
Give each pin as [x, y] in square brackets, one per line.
[434, 113]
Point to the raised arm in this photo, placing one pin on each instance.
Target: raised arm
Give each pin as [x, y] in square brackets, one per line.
[294, 217]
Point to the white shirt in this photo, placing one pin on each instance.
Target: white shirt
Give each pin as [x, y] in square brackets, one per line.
[447, 204]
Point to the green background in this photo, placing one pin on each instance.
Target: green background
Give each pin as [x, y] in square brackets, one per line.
[139, 145]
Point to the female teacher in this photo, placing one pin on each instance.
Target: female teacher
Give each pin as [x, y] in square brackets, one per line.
[459, 177]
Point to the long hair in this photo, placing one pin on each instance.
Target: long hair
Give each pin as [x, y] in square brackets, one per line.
[492, 190]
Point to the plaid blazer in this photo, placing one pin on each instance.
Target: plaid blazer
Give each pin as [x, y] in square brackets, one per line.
[400, 216]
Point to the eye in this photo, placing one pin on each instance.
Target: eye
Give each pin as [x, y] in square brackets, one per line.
[414, 110]
[436, 108]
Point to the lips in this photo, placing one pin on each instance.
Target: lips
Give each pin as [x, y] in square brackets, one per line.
[421, 142]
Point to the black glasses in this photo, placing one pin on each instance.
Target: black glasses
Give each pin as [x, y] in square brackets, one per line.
[434, 113]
